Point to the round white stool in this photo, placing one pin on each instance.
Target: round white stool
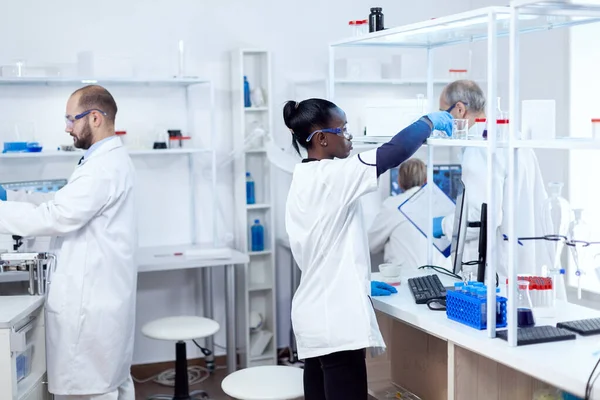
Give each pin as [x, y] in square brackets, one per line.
[179, 329]
[271, 382]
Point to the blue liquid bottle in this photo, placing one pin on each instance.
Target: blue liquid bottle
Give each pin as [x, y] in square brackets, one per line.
[247, 102]
[250, 198]
[258, 236]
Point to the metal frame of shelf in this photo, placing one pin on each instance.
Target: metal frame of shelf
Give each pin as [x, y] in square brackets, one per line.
[491, 23]
[255, 282]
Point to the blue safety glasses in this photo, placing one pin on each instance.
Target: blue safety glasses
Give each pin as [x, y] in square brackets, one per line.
[454, 105]
[336, 131]
[70, 121]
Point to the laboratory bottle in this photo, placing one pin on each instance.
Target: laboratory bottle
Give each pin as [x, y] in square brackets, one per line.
[459, 286]
[524, 307]
[579, 235]
[376, 19]
[482, 295]
[556, 216]
[247, 101]
[250, 197]
[258, 236]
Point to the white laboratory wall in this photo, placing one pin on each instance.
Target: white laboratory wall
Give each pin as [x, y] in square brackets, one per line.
[147, 34]
[585, 86]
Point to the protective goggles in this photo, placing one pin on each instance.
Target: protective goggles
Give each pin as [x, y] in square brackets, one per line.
[454, 105]
[336, 131]
[70, 121]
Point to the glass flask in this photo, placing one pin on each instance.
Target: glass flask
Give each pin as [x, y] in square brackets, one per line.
[524, 306]
[556, 216]
[579, 234]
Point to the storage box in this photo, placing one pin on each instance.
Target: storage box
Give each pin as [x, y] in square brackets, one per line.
[23, 363]
[469, 310]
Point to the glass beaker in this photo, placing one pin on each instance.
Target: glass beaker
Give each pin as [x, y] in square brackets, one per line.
[460, 129]
[556, 216]
[579, 235]
[524, 306]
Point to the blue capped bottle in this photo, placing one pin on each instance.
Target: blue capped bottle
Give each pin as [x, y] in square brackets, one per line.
[250, 196]
[258, 236]
[247, 102]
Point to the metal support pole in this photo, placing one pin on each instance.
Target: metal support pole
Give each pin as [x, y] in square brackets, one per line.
[492, 188]
[230, 313]
[207, 302]
[514, 123]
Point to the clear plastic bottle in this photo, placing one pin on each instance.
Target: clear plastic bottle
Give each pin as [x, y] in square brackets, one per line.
[258, 236]
[481, 294]
[459, 287]
[556, 216]
[579, 233]
[250, 195]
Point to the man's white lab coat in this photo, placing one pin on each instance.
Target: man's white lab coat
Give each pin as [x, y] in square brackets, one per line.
[90, 309]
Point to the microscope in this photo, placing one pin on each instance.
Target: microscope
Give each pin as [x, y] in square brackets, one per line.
[39, 266]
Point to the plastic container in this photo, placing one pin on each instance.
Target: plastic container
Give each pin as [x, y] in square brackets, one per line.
[596, 128]
[480, 129]
[23, 363]
[376, 19]
[15, 147]
[179, 142]
[353, 28]
[247, 101]
[123, 136]
[250, 195]
[457, 73]
[502, 129]
[362, 27]
[467, 310]
[459, 287]
[257, 236]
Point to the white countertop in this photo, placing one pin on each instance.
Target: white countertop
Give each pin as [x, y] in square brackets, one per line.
[15, 308]
[566, 365]
[164, 259]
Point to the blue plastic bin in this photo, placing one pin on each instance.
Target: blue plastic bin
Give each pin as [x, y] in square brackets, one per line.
[468, 310]
[15, 147]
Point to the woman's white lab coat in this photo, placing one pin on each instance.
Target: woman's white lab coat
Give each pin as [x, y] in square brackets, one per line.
[90, 308]
[401, 241]
[531, 194]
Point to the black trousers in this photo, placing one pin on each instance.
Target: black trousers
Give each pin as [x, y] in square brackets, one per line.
[341, 375]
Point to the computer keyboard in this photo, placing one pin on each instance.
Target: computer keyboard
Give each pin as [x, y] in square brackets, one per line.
[426, 287]
[538, 334]
[585, 327]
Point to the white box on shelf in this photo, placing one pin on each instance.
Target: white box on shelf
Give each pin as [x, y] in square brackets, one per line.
[259, 342]
[538, 120]
[388, 118]
[94, 65]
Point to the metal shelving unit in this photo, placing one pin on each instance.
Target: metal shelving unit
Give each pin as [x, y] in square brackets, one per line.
[255, 282]
[491, 23]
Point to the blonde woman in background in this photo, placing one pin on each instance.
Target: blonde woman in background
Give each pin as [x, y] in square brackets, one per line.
[400, 240]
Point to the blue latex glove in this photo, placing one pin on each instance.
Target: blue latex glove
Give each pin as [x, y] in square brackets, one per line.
[441, 121]
[381, 289]
[438, 232]
[2, 193]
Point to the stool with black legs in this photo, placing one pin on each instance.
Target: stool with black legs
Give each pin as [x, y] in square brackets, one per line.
[180, 329]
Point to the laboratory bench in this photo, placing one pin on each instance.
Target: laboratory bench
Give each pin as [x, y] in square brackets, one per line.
[22, 348]
[437, 358]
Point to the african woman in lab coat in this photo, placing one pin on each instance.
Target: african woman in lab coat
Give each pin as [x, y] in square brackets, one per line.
[332, 315]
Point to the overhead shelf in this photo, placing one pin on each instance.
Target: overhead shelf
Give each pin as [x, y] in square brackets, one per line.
[467, 27]
[60, 154]
[50, 81]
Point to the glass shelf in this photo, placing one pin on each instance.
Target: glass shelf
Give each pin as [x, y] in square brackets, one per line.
[465, 27]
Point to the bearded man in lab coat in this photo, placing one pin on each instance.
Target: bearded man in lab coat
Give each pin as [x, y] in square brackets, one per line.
[90, 309]
[464, 99]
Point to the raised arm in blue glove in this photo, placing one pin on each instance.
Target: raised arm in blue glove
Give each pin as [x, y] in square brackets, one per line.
[2, 193]
[441, 121]
[381, 289]
[438, 232]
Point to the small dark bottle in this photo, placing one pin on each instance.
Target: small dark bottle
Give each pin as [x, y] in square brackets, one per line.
[376, 19]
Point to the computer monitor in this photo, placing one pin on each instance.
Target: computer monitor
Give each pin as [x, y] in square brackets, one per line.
[481, 261]
[459, 230]
[445, 176]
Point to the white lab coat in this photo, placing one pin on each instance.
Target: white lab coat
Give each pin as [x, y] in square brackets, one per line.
[331, 309]
[90, 308]
[402, 243]
[528, 221]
